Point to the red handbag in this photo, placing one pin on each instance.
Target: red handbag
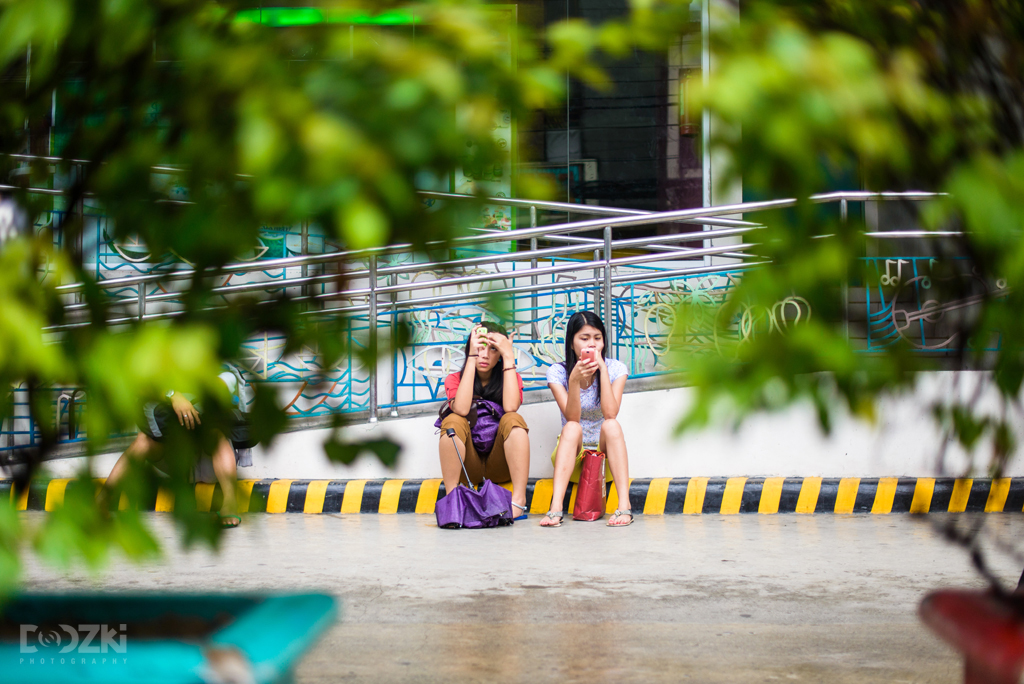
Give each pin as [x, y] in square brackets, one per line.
[590, 503]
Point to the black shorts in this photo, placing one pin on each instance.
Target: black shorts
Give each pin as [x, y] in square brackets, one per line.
[165, 419]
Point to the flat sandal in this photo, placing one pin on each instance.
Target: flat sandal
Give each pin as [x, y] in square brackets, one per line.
[551, 515]
[617, 512]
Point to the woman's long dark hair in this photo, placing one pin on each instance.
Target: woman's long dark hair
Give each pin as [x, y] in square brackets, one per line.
[576, 322]
[495, 388]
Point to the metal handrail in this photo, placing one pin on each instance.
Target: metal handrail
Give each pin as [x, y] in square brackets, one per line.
[519, 289]
[427, 284]
[519, 234]
[440, 299]
[617, 218]
[558, 232]
[594, 242]
[651, 243]
[36, 157]
[914, 234]
[629, 218]
[567, 207]
[572, 208]
[547, 270]
[679, 214]
[404, 269]
[842, 194]
[35, 191]
[288, 262]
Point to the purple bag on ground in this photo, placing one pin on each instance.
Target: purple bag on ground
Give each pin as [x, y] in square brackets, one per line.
[488, 506]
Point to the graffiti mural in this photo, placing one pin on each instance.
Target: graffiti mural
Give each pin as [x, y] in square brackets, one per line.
[644, 332]
[903, 305]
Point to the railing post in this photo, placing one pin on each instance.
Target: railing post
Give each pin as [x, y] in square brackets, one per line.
[843, 216]
[304, 250]
[393, 280]
[142, 301]
[597, 279]
[77, 248]
[372, 341]
[533, 279]
[607, 294]
[705, 116]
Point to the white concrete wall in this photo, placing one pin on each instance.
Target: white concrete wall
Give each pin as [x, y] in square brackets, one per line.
[905, 441]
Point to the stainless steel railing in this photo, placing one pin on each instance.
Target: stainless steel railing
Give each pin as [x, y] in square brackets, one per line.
[606, 269]
[550, 232]
[558, 232]
[655, 244]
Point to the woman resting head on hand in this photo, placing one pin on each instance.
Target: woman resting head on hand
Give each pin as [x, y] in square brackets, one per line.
[588, 390]
[488, 375]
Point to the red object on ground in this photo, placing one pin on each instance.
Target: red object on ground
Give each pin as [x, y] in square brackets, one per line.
[985, 629]
[590, 491]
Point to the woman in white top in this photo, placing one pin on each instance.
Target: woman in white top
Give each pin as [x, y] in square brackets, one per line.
[588, 389]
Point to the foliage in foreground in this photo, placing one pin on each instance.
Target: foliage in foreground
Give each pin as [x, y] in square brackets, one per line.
[305, 125]
[894, 96]
[313, 124]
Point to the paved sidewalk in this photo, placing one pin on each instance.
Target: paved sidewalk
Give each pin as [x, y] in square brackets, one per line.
[673, 598]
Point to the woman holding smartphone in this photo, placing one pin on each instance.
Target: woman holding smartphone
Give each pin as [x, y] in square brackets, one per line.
[588, 390]
[489, 374]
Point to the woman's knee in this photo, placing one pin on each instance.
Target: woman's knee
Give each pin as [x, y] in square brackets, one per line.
[224, 458]
[611, 428]
[515, 432]
[460, 424]
[511, 417]
[509, 422]
[224, 445]
[572, 430]
[144, 448]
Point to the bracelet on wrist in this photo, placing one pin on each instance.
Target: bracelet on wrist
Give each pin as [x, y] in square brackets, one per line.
[511, 368]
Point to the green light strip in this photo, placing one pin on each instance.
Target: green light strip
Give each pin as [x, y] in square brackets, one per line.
[309, 16]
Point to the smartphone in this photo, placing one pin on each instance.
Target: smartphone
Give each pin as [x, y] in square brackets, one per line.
[480, 332]
[588, 355]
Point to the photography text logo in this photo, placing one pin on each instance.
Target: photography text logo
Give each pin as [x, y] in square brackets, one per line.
[78, 644]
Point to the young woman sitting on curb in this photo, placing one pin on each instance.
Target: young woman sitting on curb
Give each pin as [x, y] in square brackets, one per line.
[488, 375]
[588, 390]
[178, 412]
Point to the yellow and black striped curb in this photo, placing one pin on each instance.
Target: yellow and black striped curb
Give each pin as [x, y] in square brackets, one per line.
[651, 496]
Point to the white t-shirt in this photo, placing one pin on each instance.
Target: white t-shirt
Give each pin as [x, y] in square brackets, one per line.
[590, 406]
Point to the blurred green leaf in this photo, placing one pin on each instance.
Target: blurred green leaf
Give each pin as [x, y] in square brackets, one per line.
[347, 452]
[10, 548]
[266, 419]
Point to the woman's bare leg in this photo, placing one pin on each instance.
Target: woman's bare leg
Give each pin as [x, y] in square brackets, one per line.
[517, 456]
[226, 472]
[141, 448]
[565, 460]
[613, 444]
[451, 466]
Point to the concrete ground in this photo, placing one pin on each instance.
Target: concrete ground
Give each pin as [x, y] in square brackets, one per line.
[742, 598]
